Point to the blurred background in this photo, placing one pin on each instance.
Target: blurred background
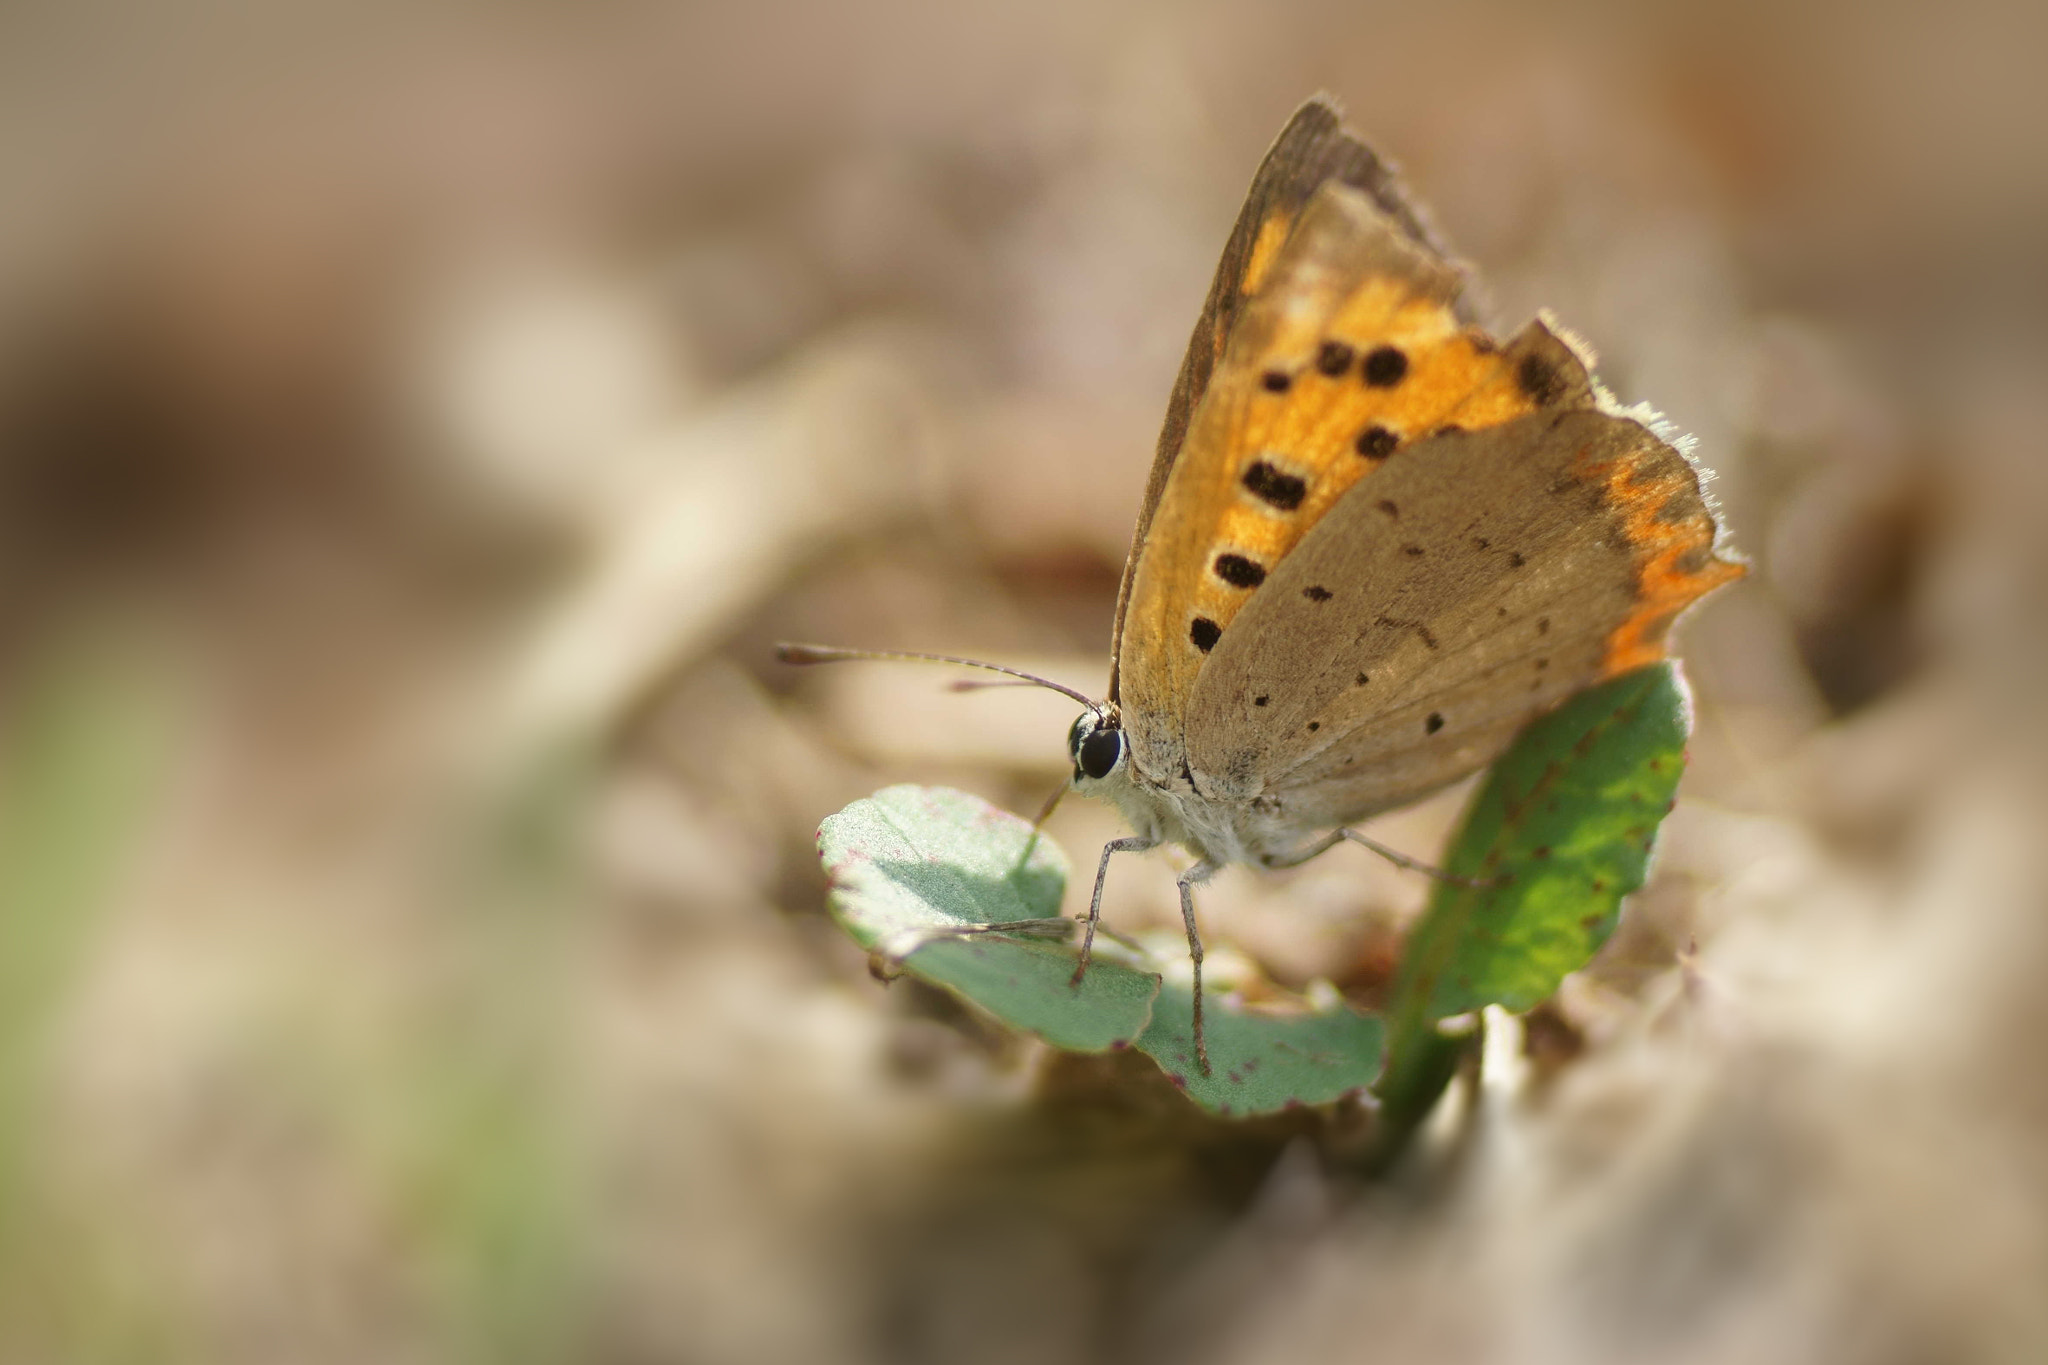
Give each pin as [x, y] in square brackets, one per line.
[418, 420]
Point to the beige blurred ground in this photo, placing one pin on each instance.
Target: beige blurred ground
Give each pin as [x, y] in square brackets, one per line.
[416, 421]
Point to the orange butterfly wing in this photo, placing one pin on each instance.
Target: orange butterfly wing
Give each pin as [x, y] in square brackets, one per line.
[1314, 149]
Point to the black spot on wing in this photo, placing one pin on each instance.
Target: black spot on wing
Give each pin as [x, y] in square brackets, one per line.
[1316, 592]
[1205, 633]
[1385, 366]
[1334, 357]
[1238, 571]
[1376, 442]
[1435, 722]
[1267, 483]
[1276, 381]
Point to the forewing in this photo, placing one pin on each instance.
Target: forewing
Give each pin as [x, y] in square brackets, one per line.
[1313, 149]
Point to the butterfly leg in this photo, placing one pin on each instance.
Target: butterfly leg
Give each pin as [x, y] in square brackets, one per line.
[1133, 844]
[1397, 858]
[1274, 861]
[1188, 881]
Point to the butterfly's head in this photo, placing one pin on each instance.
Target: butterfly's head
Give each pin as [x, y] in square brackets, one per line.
[1097, 746]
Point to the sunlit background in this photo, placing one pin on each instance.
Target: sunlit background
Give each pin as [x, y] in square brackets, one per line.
[417, 421]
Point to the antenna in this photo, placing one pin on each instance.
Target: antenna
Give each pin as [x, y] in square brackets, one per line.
[985, 684]
[831, 654]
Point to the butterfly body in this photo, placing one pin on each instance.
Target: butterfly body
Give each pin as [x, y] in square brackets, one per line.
[1171, 808]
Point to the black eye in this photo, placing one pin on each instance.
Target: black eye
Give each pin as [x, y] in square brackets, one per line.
[1100, 751]
[1077, 732]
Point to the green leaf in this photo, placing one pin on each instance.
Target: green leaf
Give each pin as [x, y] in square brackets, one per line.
[1560, 833]
[919, 874]
[1262, 1061]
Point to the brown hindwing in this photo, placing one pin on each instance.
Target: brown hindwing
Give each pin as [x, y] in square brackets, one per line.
[1418, 668]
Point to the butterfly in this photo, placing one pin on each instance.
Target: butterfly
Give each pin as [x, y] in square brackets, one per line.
[1375, 542]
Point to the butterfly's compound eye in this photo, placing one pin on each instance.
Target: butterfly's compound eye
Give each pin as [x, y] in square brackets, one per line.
[1100, 752]
[1078, 731]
